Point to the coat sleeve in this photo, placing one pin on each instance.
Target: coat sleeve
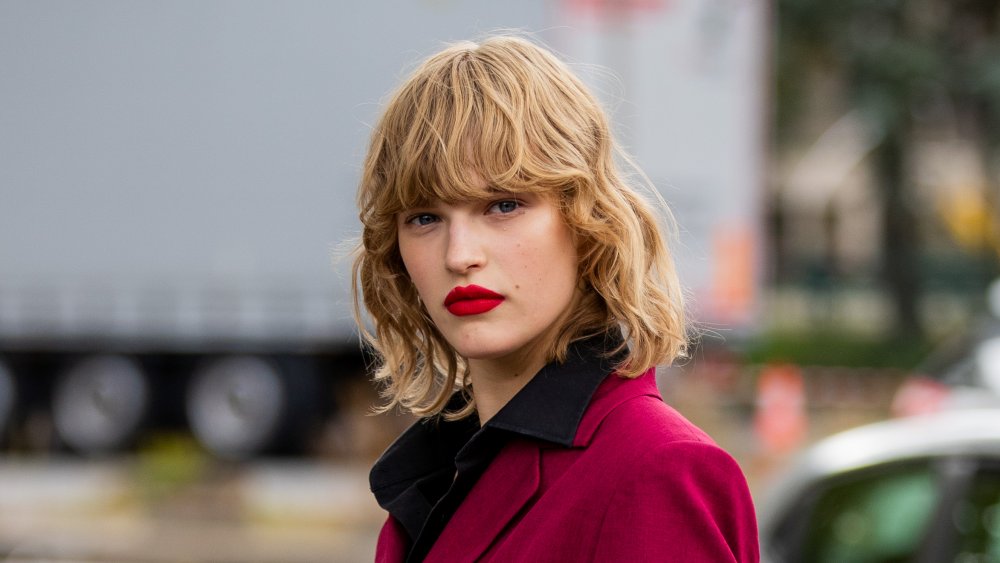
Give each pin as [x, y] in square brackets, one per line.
[683, 501]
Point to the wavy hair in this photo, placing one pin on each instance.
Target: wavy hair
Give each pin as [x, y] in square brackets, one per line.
[508, 112]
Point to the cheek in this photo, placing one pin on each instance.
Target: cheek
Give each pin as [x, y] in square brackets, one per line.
[553, 268]
[567, 259]
[414, 264]
[563, 273]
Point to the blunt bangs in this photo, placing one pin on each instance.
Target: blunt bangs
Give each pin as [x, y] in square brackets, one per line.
[470, 123]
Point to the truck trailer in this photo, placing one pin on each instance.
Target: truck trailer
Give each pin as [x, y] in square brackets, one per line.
[177, 187]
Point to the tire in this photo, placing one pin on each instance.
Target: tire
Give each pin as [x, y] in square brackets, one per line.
[237, 407]
[8, 401]
[100, 403]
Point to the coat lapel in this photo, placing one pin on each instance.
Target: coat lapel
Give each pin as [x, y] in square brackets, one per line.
[497, 498]
[392, 542]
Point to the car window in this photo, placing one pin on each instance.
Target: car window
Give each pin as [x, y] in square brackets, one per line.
[871, 516]
[976, 518]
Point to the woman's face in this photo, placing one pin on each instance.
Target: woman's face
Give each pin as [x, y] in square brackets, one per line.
[496, 275]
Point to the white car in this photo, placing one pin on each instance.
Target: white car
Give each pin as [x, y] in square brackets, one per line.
[918, 489]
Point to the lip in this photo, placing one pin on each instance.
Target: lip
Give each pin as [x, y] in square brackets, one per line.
[471, 300]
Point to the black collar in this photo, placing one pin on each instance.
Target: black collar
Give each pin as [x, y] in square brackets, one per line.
[418, 469]
[552, 404]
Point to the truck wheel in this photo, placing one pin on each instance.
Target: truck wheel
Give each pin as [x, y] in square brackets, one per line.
[100, 403]
[8, 398]
[237, 406]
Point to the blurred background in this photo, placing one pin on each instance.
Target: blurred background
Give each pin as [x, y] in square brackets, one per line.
[180, 373]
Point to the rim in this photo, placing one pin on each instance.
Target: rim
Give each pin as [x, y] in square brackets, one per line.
[99, 403]
[236, 405]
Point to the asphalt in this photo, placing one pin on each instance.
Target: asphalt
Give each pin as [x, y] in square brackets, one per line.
[123, 510]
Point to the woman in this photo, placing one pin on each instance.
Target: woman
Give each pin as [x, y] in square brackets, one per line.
[520, 292]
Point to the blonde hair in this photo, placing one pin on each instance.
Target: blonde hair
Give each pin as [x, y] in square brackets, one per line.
[508, 112]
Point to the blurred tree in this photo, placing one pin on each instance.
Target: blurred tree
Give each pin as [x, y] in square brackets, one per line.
[902, 63]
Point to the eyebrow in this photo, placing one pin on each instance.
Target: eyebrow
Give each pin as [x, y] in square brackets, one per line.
[489, 192]
[492, 191]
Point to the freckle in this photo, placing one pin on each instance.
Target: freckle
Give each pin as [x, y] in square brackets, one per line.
[516, 286]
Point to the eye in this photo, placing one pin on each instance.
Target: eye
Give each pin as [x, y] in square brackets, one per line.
[422, 219]
[505, 206]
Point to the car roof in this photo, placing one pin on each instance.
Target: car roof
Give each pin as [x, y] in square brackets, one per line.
[946, 433]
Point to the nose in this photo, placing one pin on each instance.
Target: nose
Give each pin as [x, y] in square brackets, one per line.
[465, 251]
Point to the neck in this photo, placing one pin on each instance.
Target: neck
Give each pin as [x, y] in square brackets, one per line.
[496, 381]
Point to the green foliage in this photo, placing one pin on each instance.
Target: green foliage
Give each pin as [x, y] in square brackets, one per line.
[895, 56]
[168, 464]
[836, 348]
[904, 65]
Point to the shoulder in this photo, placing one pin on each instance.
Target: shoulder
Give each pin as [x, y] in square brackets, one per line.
[672, 488]
[631, 433]
[631, 411]
[654, 447]
[652, 440]
[678, 496]
[644, 424]
[684, 501]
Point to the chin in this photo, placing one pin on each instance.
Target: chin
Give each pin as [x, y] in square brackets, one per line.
[480, 352]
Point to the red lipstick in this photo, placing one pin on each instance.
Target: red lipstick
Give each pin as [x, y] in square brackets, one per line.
[471, 300]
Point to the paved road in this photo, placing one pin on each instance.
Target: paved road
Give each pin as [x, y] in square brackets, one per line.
[134, 509]
[170, 503]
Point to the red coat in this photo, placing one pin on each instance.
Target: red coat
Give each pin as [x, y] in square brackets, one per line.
[640, 483]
